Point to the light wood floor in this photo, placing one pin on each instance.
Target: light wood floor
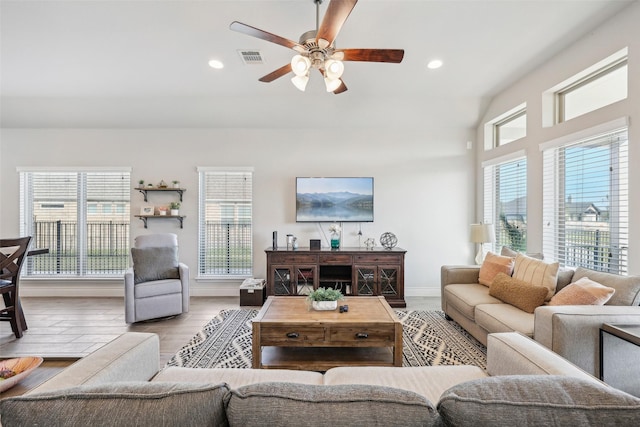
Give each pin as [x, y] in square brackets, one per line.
[62, 330]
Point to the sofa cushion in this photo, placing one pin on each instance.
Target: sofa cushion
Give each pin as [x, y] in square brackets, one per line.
[536, 400]
[583, 292]
[154, 264]
[565, 278]
[235, 377]
[428, 381]
[504, 318]
[537, 272]
[287, 404]
[517, 293]
[492, 265]
[466, 297]
[627, 287]
[119, 404]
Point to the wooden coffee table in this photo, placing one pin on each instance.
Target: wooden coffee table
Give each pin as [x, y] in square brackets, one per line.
[287, 334]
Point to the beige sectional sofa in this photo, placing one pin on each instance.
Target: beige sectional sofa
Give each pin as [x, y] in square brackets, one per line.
[120, 385]
[570, 331]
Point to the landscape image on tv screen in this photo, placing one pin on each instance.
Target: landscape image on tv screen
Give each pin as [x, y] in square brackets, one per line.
[334, 199]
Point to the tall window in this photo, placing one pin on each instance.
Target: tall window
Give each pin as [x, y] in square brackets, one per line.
[70, 213]
[225, 246]
[586, 202]
[505, 202]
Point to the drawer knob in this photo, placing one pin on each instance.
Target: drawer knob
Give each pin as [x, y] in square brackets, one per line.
[362, 335]
[293, 335]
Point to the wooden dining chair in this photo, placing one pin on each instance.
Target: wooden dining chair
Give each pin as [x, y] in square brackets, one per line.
[12, 255]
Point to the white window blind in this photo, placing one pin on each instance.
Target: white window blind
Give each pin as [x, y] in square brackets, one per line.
[586, 202]
[81, 217]
[225, 241]
[505, 203]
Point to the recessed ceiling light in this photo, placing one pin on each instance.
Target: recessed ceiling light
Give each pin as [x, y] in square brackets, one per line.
[434, 63]
[214, 63]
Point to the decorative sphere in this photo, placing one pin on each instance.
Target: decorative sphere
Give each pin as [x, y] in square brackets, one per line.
[388, 240]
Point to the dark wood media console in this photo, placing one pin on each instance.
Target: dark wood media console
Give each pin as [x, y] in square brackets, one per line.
[354, 271]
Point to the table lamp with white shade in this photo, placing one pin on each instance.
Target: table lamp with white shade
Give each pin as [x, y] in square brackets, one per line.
[481, 234]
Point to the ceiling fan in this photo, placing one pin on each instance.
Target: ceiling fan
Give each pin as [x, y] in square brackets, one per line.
[316, 49]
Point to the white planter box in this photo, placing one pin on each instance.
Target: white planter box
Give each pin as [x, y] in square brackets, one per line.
[325, 305]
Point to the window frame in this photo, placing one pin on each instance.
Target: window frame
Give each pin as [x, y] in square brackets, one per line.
[555, 215]
[240, 211]
[80, 239]
[509, 119]
[491, 194]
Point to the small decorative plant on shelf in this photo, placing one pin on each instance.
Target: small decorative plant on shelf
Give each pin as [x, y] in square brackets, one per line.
[141, 183]
[175, 208]
[325, 298]
[176, 183]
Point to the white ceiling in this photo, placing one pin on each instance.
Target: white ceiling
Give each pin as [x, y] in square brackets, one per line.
[123, 63]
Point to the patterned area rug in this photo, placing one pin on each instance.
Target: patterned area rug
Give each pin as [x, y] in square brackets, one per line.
[428, 339]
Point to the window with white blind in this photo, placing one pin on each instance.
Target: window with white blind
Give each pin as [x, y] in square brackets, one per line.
[586, 202]
[505, 201]
[72, 213]
[225, 246]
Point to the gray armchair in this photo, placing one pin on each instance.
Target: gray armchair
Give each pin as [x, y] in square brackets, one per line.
[158, 284]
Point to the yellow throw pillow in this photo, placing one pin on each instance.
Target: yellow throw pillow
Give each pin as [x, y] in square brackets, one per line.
[492, 265]
[584, 291]
[537, 272]
[519, 294]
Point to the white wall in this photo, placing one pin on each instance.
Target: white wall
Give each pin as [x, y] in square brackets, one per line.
[619, 32]
[423, 187]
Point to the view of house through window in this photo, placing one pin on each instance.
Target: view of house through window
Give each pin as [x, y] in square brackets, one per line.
[81, 217]
[225, 239]
[586, 203]
[505, 203]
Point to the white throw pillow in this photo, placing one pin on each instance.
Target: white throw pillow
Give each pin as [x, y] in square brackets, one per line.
[537, 273]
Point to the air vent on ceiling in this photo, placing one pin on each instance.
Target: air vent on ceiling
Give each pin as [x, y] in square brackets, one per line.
[251, 57]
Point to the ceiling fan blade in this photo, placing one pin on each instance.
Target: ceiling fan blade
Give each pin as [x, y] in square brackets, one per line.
[264, 35]
[370, 55]
[341, 88]
[285, 69]
[337, 13]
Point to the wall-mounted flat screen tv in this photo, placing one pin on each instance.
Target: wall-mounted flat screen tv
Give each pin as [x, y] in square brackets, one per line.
[334, 199]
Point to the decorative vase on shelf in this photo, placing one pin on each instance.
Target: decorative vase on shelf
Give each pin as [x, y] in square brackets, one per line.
[335, 241]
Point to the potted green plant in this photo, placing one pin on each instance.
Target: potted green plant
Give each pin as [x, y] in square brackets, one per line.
[325, 298]
[141, 183]
[176, 183]
[175, 208]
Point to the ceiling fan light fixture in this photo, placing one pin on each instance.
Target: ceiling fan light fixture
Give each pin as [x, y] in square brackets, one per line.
[332, 84]
[300, 82]
[333, 68]
[300, 65]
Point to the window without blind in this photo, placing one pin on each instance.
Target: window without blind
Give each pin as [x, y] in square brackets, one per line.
[586, 202]
[225, 242]
[505, 202]
[82, 217]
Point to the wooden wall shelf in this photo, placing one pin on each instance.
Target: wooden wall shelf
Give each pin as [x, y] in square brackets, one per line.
[144, 218]
[144, 190]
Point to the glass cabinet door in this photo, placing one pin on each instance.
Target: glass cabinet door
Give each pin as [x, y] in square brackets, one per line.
[282, 281]
[305, 279]
[365, 280]
[388, 278]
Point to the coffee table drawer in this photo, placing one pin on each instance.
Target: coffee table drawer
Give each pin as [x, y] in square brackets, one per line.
[291, 335]
[363, 335]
